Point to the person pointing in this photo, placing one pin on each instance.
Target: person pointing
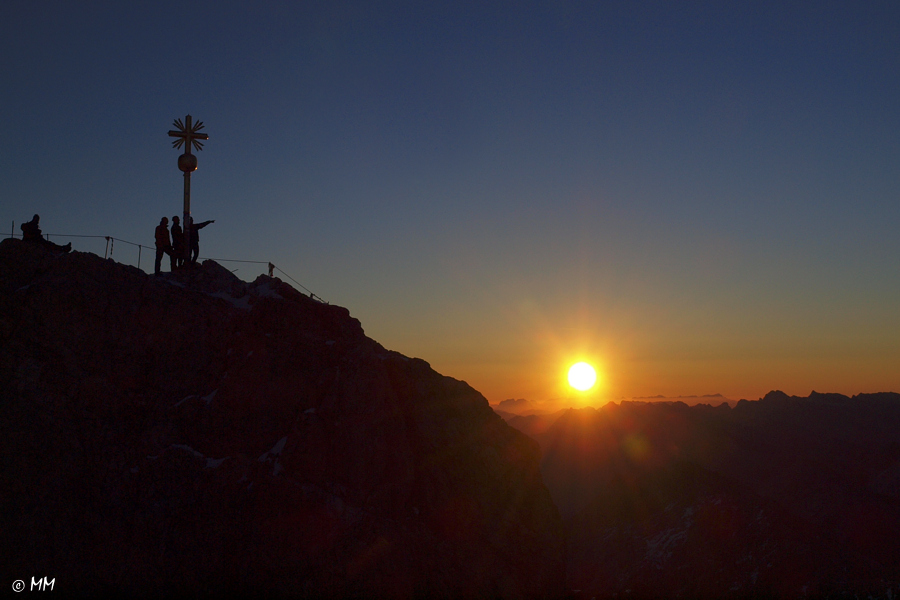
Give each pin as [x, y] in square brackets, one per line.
[195, 237]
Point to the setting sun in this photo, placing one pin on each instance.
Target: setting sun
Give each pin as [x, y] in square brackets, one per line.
[582, 376]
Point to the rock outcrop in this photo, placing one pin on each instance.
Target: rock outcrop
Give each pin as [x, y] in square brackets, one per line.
[192, 434]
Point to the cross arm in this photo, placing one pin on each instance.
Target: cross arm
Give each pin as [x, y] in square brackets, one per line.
[185, 134]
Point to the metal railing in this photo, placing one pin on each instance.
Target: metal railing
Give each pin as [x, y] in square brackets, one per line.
[110, 246]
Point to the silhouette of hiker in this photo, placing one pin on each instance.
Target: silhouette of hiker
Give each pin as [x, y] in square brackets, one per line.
[31, 233]
[195, 238]
[177, 257]
[163, 245]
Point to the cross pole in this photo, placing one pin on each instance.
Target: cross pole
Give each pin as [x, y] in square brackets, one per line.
[187, 134]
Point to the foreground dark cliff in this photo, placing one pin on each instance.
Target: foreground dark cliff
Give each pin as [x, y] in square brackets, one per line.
[192, 434]
[784, 497]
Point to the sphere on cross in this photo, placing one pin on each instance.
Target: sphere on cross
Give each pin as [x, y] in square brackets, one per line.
[187, 163]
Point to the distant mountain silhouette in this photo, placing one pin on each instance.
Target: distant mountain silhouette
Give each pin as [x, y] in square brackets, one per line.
[193, 435]
[523, 407]
[782, 497]
[533, 425]
[519, 406]
[714, 399]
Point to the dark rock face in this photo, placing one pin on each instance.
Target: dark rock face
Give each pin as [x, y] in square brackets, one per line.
[784, 497]
[192, 434]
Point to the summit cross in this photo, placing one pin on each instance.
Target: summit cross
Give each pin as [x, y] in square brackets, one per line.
[187, 135]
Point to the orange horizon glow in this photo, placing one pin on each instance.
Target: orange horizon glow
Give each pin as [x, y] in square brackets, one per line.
[531, 378]
[525, 349]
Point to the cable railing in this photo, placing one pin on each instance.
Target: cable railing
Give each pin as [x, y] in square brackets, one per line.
[110, 246]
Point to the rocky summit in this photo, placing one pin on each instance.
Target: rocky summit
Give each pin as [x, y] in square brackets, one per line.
[192, 434]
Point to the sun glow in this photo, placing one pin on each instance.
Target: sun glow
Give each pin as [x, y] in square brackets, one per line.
[582, 376]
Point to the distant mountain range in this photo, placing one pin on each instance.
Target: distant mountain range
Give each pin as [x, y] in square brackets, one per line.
[714, 399]
[782, 497]
[524, 407]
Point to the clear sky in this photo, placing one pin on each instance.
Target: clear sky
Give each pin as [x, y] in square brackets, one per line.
[697, 197]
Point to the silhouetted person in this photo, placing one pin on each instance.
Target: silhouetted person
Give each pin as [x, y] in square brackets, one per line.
[177, 257]
[163, 245]
[31, 232]
[195, 238]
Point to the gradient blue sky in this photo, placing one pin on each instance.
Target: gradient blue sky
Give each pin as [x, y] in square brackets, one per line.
[697, 197]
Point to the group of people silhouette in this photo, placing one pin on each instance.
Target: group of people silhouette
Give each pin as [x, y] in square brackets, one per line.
[179, 255]
[174, 246]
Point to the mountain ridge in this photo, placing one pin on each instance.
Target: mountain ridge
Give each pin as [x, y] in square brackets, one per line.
[193, 434]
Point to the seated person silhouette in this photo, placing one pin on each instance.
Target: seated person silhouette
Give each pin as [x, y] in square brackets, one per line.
[31, 232]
